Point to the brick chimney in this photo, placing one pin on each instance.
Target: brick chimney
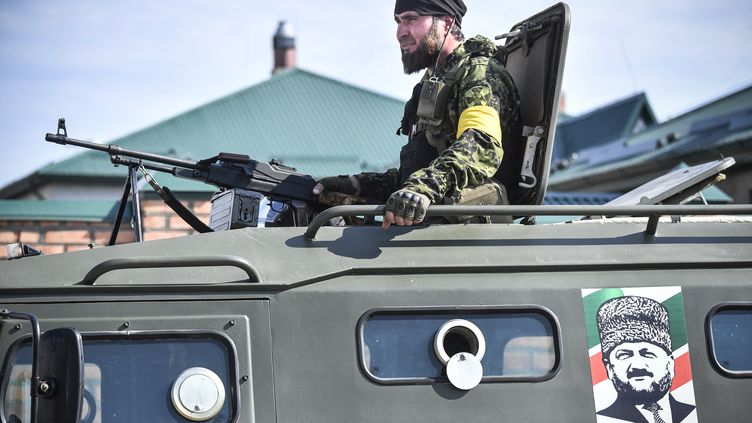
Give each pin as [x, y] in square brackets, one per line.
[284, 48]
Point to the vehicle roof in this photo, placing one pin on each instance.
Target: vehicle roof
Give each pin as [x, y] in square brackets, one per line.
[283, 257]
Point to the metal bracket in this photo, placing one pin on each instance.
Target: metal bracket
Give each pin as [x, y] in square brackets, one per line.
[533, 136]
[522, 32]
[300, 215]
[20, 250]
[652, 227]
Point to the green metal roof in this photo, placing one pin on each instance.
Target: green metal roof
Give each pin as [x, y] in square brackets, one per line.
[64, 210]
[316, 124]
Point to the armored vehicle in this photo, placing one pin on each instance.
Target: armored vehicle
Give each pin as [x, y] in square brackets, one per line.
[468, 322]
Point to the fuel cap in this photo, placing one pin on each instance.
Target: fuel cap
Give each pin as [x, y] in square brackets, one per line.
[464, 371]
[198, 394]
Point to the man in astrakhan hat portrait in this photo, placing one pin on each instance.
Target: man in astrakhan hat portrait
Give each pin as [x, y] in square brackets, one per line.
[637, 354]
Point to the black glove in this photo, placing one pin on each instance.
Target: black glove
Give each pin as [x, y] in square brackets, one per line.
[409, 205]
[343, 183]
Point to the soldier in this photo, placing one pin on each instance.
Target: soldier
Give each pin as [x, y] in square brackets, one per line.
[454, 120]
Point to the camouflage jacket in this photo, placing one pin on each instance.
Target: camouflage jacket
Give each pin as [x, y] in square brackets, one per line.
[475, 155]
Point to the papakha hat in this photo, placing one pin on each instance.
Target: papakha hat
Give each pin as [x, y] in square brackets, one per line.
[633, 319]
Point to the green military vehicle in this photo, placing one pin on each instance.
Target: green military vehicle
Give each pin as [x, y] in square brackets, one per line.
[514, 322]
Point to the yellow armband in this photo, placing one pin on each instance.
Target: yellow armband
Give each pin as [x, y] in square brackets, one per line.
[482, 118]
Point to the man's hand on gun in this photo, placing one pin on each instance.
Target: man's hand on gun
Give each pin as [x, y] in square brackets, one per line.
[403, 208]
[338, 191]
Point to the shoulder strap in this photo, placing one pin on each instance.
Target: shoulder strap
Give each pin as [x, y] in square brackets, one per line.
[435, 136]
[450, 77]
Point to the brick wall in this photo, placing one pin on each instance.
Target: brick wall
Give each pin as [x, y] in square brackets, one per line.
[54, 237]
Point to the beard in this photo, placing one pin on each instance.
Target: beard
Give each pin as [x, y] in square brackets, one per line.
[425, 54]
[655, 392]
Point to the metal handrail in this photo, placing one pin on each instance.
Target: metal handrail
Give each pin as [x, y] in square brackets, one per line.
[167, 262]
[652, 211]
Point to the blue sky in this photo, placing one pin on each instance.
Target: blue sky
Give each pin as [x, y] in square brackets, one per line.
[111, 67]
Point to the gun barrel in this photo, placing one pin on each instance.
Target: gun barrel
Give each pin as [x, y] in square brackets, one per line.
[115, 150]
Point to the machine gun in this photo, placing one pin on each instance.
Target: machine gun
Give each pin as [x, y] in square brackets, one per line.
[242, 181]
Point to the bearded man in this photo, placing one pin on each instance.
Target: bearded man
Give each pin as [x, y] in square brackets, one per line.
[454, 120]
[637, 354]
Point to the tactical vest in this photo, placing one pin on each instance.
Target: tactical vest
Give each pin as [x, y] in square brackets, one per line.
[426, 121]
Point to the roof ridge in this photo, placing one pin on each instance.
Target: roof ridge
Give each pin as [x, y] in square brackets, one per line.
[638, 96]
[658, 127]
[224, 98]
[213, 117]
[227, 97]
[349, 85]
[203, 106]
[714, 100]
[192, 110]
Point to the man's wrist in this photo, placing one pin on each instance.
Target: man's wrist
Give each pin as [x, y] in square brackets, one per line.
[407, 206]
[419, 190]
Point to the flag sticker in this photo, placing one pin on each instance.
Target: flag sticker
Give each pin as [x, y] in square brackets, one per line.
[639, 355]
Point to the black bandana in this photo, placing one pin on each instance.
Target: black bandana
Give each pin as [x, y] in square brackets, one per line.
[453, 8]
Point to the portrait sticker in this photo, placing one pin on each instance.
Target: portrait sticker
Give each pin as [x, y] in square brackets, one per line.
[639, 355]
